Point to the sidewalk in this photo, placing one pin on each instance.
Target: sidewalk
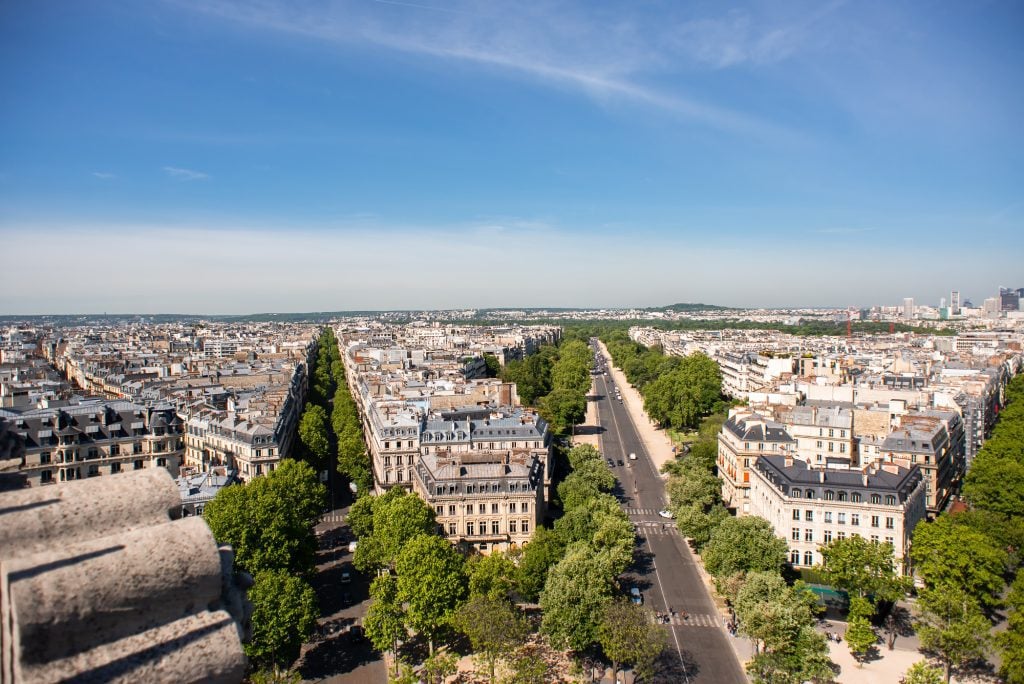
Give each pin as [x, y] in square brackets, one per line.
[656, 440]
[589, 431]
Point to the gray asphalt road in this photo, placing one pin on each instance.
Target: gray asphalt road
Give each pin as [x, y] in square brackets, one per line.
[666, 573]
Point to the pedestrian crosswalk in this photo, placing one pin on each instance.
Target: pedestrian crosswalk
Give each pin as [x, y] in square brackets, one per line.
[692, 620]
[641, 511]
[649, 528]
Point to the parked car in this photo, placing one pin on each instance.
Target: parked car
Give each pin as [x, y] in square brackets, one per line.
[346, 577]
[632, 457]
[620, 462]
[635, 596]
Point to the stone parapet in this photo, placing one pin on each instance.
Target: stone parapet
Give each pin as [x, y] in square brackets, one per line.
[99, 582]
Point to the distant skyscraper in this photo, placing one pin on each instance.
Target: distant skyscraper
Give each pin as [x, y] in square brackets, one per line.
[1009, 299]
[954, 302]
[908, 308]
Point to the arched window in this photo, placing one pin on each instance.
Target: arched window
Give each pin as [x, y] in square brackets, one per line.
[876, 499]
[855, 498]
[890, 500]
[829, 495]
[842, 496]
[795, 493]
[794, 557]
[808, 558]
[810, 493]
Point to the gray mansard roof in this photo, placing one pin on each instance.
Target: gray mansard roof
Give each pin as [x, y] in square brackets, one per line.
[756, 428]
[800, 475]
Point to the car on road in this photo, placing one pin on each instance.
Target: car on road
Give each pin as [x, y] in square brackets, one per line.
[346, 577]
[665, 513]
[632, 457]
[611, 463]
[635, 596]
[620, 462]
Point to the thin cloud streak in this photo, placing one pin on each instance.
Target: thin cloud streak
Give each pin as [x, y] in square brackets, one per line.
[610, 79]
[103, 175]
[185, 174]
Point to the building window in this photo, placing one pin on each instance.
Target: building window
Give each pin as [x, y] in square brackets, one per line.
[512, 527]
[809, 516]
[796, 493]
[829, 495]
[470, 529]
[890, 500]
[876, 499]
[387, 460]
[828, 516]
[45, 476]
[820, 444]
[874, 538]
[828, 536]
[841, 518]
[808, 535]
[495, 527]
[855, 498]
[451, 529]
[526, 526]
[808, 558]
[138, 464]
[842, 496]
[855, 518]
[874, 521]
[439, 510]
[44, 457]
[888, 540]
[796, 534]
[451, 509]
[512, 507]
[890, 523]
[400, 476]
[796, 514]
[794, 557]
[840, 535]
[526, 508]
[115, 468]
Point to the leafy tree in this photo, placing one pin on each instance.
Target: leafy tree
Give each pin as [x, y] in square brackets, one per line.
[743, 544]
[532, 377]
[563, 407]
[494, 628]
[694, 487]
[582, 453]
[696, 524]
[995, 482]
[801, 656]
[544, 551]
[576, 492]
[313, 435]
[432, 581]
[360, 515]
[439, 666]
[860, 636]
[628, 635]
[773, 614]
[922, 673]
[397, 517]
[1011, 641]
[951, 556]
[863, 568]
[577, 588]
[269, 520]
[680, 397]
[493, 365]
[492, 576]
[384, 622]
[275, 675]
[284, 615]
[615, 539]
[597, 473]
[529, 666]
[952, 626]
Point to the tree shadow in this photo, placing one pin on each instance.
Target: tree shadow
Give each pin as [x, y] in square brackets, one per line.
[331, 592]
[340, 650]
[668, 669]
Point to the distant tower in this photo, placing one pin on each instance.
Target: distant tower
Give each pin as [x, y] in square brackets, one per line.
[908, 308]
[954, 302]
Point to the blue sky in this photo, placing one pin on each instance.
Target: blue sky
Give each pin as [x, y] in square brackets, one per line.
[236, 157]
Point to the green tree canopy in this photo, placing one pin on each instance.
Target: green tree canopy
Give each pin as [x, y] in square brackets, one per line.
[863, 568]
[628, 635]
[952, 626]
[948, 555]
[397, 517]
[385, 621]
[313, 435]
[432, 581]
[1011, 641]
[922, 673]
[492, 576]
[582, 453]
[269, 520]
[577, 589]
[494, 628]
[743, 545]
[544, 551]
[284, 615]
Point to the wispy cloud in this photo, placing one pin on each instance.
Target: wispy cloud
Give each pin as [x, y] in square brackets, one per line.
[842, 231]
[622, 59]
[102, 175]
[185, 174]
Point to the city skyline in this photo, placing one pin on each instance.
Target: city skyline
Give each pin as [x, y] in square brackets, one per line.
[229, 158]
